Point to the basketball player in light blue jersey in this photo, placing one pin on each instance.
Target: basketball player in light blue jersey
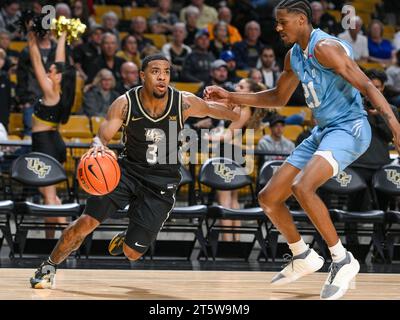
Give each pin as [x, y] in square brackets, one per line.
[332, 83]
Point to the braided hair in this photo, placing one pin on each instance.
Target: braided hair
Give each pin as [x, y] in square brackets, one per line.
[298, 6]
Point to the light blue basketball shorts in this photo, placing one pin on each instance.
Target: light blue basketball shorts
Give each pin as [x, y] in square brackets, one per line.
[340, 144]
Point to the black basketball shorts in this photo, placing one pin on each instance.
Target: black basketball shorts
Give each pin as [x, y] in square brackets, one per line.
[150, 199]
[51, 143]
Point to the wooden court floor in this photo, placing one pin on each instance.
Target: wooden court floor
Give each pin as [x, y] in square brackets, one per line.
[215, 285]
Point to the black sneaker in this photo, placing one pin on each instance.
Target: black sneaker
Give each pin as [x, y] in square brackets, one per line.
[44, 277]
[116, 245]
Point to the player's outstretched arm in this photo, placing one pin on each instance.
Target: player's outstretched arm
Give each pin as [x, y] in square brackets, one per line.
[332, 55]
[275, 97]
[115, 118]
[193, 106]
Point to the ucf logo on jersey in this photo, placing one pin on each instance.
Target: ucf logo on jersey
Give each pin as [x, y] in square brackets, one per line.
[343, 178]
[226, 173]
[393, 176]
[38, 167]
[155, 135]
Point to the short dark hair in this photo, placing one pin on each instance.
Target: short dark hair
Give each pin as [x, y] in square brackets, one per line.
[151, 58]
[376, 74]
[298, 6]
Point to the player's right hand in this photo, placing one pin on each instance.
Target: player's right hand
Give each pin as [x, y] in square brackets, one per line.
[217, 94]
[102, 150]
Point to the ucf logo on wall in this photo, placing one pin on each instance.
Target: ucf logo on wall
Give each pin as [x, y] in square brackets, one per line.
[393, 176]
[38, 167]
[226, 173]
[343, 178]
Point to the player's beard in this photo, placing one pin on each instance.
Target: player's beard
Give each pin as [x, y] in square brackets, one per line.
[159, 96]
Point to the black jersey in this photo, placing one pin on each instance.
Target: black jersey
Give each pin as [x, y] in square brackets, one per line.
[151, 144]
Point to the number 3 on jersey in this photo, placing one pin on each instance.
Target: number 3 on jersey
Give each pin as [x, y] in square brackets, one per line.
[310, 95]
[151, 154]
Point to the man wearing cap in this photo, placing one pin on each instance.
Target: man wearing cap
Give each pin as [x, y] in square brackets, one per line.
[196, 67]
[276, 142]
[229, 57]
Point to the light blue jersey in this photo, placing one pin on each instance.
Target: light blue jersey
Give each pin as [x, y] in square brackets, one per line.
[331, 98]
[343, 133]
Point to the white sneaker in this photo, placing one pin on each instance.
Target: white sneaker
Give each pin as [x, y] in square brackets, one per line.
[340, 276]
[299, 266]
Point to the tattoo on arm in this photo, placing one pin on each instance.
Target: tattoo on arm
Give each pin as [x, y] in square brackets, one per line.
[185, 105]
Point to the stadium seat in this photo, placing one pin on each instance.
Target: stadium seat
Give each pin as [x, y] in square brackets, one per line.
[289, 111]
[78, 126]
[388, 32]
[158, 39]
[39, 170]
[100, 10]
[192, 87]
[18, 45]
[226, 174]
[242, 73]
[15, 125]
[371, 65]
[336, 14]
[130, 12]
[95, 125]
[386, 182]
[13, 78]
[78, 100]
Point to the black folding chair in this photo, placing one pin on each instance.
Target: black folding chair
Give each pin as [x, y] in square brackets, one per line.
[39, 170]
[348, 182]
[226, 174]
[6, 210]
[386, 181]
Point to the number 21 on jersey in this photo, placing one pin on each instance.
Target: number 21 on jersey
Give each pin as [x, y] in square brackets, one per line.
[310, 95]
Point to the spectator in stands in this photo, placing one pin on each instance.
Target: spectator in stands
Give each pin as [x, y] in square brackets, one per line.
[221, 40]
[37, 6]
[12, 55]
[191, 16]
[196, 67]
[393, 80]
[225, 15]
[358, 41]
[248, 51]
[99, 97]
[80, 10]
[163, 20]
[129, 77]
[380, 50]
[28, 89]
[110, 23]
[148, 51]
[87, 52]
[63, 9]
[229, 57]
[138, 29]
[130, 50]
[207, 14]
[5, 91]
[276, 142]
[107, 59]
[269, 68]
[9, 15]
[218, 77]
[250, 118]
[396, 39]
[377, 155]
[176, 51]
[323, 20]
[256, 75]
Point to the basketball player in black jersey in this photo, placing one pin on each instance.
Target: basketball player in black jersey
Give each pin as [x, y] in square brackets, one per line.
[152, 116]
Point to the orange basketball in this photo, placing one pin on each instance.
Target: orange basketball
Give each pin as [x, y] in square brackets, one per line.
[98, 176]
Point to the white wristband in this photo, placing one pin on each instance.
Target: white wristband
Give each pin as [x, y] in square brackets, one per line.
[97, 142]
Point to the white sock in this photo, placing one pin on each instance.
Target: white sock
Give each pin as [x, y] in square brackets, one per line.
[338, 252]
[298, 247]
